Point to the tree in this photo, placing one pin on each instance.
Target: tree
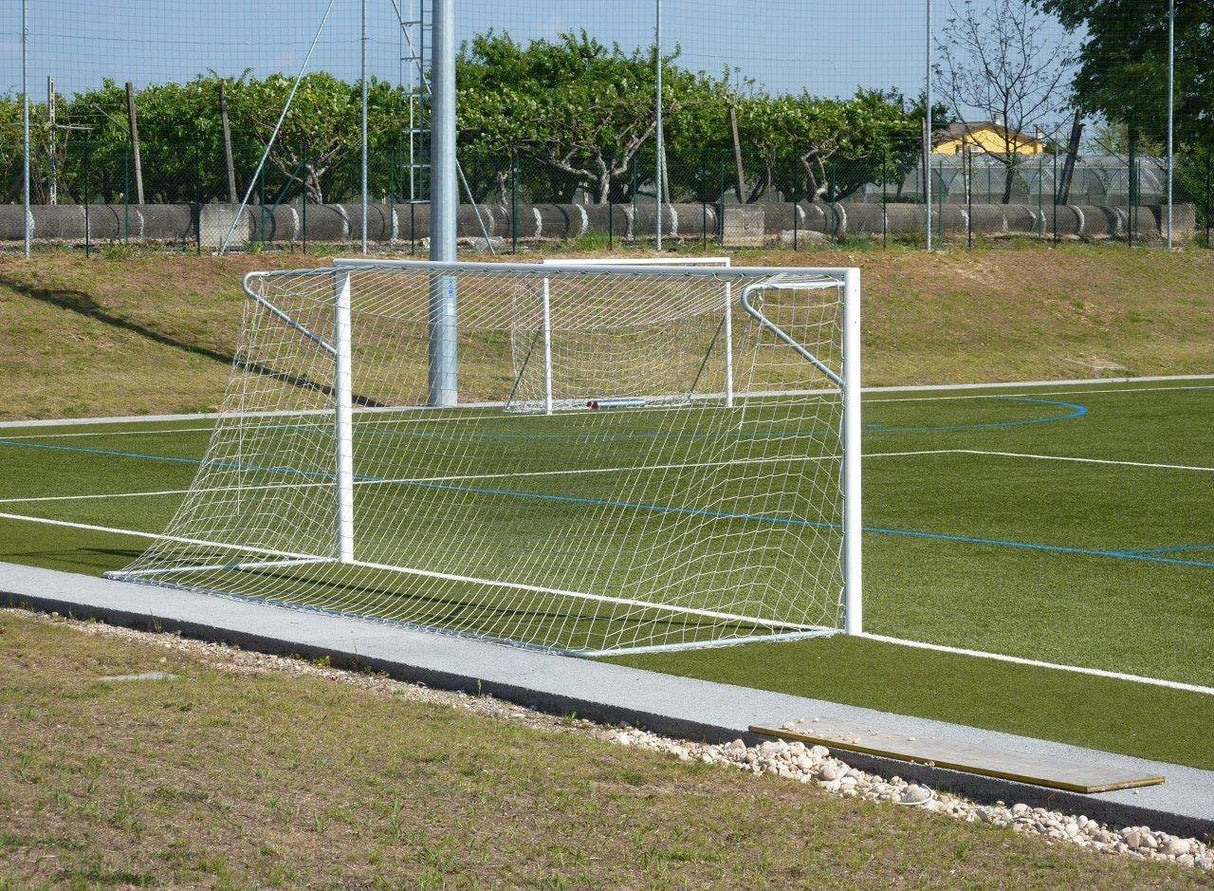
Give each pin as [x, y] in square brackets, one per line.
[1123, 64]
[578, 107]
[1003, 62]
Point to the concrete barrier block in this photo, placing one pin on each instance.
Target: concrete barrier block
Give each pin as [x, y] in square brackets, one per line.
[744, 225]
[215, 222]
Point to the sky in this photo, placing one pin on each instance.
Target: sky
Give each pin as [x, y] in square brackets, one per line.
[830, 47]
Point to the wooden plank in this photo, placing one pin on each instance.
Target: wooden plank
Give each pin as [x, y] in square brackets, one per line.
[986, 760]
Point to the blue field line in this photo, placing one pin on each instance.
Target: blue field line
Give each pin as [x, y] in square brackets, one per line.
[171, 459]
[1073, 412]
[797, 521]
[1172, 549]
[1150, 556]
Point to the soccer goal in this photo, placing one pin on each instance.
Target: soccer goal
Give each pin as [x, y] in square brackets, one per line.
[583, 457]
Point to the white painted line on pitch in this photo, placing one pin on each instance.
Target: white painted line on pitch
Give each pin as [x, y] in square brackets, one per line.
[33, 499]
[582, 595]
[143, 432]
[426, 573]
[1072, 382]
[637, 468]
[910, 388]
[1076, 460]
[1037, 663]
[1037, 393]
[90, 527]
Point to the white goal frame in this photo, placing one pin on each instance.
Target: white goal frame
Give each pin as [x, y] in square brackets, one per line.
[847, 379]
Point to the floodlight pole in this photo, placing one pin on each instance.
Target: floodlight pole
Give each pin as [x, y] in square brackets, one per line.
[1171, 105]
[660, 153]
[444, 205]
[927, 129]
[363, 65]
[28, 215]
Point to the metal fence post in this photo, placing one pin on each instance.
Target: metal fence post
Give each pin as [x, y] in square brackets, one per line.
[927, 127]
[660, 148]
[1171, 107]
[27, 212]
[514, 203]
[88, 229]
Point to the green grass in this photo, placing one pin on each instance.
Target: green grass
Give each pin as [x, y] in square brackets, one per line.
[237, 779]
[155, 334]
[1014, 555]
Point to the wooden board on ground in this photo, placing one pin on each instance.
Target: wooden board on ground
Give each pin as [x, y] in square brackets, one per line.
[987, 760]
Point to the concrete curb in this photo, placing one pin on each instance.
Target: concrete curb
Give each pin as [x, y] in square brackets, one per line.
[682, 707]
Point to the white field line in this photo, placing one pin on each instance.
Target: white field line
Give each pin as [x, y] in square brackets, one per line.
[1037, 663]
[1064, 382]
[471, 413]
[583, 595]
[91, 527]
[914, 388]
[464, 477]
[1076, 460]
[145, 432]
[1035, 393]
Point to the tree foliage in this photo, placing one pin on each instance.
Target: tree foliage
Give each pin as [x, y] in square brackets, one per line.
[575, 115]
[1123, 63]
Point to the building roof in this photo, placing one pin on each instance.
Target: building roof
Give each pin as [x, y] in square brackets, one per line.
[964, 128]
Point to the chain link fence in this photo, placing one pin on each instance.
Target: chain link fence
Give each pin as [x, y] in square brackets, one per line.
[937, 122]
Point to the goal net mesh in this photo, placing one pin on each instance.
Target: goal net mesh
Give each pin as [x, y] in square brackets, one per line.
[637, 458]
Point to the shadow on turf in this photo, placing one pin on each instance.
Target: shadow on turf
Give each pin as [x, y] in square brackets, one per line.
[83, 304]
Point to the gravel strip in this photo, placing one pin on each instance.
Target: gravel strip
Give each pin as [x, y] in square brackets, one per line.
[793, 761]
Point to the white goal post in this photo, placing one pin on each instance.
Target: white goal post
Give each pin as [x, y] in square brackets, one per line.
[643, 456]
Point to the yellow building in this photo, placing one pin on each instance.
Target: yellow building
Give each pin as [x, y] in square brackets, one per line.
[988, 137]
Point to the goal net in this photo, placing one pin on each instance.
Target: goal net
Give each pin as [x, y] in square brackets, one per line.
[585, 458]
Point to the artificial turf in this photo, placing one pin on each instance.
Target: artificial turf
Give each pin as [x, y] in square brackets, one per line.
[1094, 564]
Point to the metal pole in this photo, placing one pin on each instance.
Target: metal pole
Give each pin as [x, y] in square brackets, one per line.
[728, 337]
[133, 127]
[53, 185]
[852, 518]
[28, 226]
[1171, 103]
[657, 40]
[363, 65]
[343, 391]
[444, 205]
[547, 349]
[228, 161]
[927, 130]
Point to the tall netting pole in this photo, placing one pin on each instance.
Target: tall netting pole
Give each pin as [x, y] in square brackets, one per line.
[28, 215]
[660, 152]
[444, 205]
[1171, 105]
[363, 78]
[927, 127]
